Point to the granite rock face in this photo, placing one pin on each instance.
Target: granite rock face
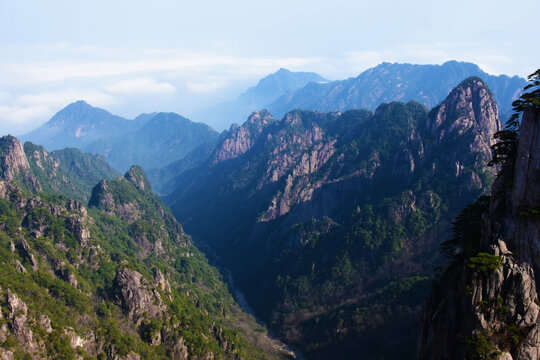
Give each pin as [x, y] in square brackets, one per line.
[499, 309]
[13, 160]
[241, 138]
[137, 296]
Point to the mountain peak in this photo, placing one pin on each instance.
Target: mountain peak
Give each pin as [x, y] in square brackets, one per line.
[79, 103]
[137, 177]
[283, 71]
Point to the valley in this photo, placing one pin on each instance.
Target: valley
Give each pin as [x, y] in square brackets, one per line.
[313, 230]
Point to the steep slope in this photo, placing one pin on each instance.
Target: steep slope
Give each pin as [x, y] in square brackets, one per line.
[330, 223]
[118, 279]
[427, 84]
[79, 124]
[68, 172]
[163, 139]
[265, 92]
[486, 303]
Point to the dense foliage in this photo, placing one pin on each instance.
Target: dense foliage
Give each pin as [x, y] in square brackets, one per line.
[74, 269]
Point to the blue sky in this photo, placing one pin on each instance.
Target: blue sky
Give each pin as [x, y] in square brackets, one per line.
[161, 55]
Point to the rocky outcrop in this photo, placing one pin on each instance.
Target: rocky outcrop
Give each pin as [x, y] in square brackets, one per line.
[467, 119]
[138, 298]
[496, 313]
[241, 138]
[104, 197]
[19, 322]
[13, 160]
[136, 176]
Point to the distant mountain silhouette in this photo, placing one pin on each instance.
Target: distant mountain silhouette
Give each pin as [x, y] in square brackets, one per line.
[427, 84]
[268, 89]
[79, 124]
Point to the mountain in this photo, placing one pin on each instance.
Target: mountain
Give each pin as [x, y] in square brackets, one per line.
[485, 304]
[163, 139]
[68, 172]
[112, 278]
[330, 223]
[269, 89]
[79, 124]
[427, 84]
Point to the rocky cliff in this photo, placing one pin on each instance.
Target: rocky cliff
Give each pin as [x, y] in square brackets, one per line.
[486, 304]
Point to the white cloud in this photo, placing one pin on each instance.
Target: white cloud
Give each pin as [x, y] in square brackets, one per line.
[204, 87]
[141, 85]
[62, 98]
[19, 120]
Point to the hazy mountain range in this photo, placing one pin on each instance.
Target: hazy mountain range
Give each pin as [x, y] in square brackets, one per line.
[427, 84]
[150, 140]
[268, 90]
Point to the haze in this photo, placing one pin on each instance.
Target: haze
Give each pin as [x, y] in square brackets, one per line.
[137, 56]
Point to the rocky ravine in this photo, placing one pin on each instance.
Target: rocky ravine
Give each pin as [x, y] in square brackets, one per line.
[321, 216]
[495, 314]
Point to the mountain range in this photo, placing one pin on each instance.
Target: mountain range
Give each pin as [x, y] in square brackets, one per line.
[426, 84]
[330, 222]
[150, 140]
[268, 89]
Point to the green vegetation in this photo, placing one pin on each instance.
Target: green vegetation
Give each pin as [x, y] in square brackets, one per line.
[78, 253]
[485, 263]
[480, 348]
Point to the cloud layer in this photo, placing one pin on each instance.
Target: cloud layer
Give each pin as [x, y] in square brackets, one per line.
[129, 81]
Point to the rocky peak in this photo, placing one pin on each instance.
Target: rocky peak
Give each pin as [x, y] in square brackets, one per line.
[258, 120]
[470, 105]
[496, 313]
[240, 139]
[137, 177]
[12, 157]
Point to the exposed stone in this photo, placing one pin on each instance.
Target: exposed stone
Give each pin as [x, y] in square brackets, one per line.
[6, 355]
[28, 253]
[179, 351]
[13, 159]
[19, 326]
[162, 282]
[503, 304]
[137, 297]
[45, 323]
[240, 139]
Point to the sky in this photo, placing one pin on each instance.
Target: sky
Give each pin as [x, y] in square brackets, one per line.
[134, 56]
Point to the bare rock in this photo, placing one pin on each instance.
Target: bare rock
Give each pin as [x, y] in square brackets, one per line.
[13, 160]
[19, 322]
[6, 355]
[28, 253]
[503, 304]
[137, 297]
[45, 323]
[179, 351]
[20, 267]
